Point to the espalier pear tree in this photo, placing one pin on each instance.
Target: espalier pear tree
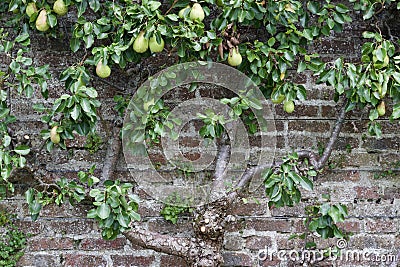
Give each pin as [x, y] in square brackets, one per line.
[264, 40]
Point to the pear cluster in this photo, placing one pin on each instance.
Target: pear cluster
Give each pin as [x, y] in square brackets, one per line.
[141, 44]
[196, 12]
[59, 7]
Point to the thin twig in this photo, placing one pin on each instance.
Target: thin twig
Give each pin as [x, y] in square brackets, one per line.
[172, 6]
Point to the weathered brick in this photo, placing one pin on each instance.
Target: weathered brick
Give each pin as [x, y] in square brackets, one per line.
[237, 259]
[50, 243]
[35, 259]
[132, 260]
[168, 260]
[382, 225]
[309, 126]
[350, 226]
[101, 244]
[73, 260]
[269, 224]
[367, 192]
[258, 242]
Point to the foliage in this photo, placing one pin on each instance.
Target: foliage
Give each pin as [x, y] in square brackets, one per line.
[173, 207]
[105, 32]
[115, 208]
[93, 143]
[282, 183]
[12, 241]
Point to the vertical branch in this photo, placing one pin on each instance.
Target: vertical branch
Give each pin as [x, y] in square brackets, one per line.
[334, 136]
[113, 149]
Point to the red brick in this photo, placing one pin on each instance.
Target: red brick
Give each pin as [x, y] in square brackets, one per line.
[382, 225]
[269, 224]
[168, 260]
[50, 243]
[132, 261]
[258, 242]
[73, 260]
[309, 126]
[367, 192]
[350, 226]
[101, 244]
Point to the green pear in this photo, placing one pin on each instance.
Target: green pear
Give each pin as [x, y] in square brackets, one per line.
[31, 9]
[103, 71]
[54, 136]
[381, 109]
[140, 44]
[278, 100]
[197, 12]
[154, 46]
[60, 8]
[41, 21]
[288, 106]
[234, 57]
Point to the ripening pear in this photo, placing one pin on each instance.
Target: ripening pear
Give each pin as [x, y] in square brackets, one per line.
[154, 46]
[381, 109]
[54, 136]
[60, 8]
[140, 44]
[197, 12]
[103, 71]
[278, 100]
[288, 106]
[41, 21]
[31, 9]
[234, 57]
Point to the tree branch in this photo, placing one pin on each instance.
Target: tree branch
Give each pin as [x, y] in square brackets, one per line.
[194, 251]
[220, 168]
[319, 163]
[113, 149]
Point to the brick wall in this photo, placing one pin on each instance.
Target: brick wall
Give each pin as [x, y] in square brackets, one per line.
[357, 176]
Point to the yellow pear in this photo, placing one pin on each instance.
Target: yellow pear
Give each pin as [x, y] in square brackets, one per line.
[41, 21]
[60, 8]
[154, 46]
[197, 12]
[54, 136]
[234, 57]
[140, 44]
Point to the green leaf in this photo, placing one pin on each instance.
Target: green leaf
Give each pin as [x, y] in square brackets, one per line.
[22, 150]
[76, 112]
[52, 19]
[306, 183]
[103, 211]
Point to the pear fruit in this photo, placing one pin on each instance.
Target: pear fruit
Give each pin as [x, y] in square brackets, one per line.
[60, 8]
[41, 21]
[197, 12]
[103, 71]
[288, 106]
[234, 57]
[140, 44]
[181, 13]
[30, 9]
[154, 46]
[278, 100]
[54, 136]
[381, 109]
